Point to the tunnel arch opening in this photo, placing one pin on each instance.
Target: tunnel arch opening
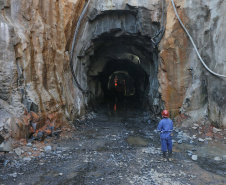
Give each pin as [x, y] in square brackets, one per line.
[118, 42]
[124, 67]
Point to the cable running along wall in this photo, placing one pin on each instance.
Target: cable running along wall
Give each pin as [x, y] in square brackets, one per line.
[212, 72]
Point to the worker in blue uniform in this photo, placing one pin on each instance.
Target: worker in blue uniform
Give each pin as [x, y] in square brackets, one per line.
[165, 127]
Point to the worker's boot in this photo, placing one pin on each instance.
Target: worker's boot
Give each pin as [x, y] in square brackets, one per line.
[170, 155]
[164, 156]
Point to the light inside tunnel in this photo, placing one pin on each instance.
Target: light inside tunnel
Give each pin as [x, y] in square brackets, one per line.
[122, 78]
[120, 83]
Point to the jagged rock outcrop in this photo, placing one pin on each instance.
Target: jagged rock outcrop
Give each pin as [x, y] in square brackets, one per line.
[206, 93]
[35, 43]
[35, 37]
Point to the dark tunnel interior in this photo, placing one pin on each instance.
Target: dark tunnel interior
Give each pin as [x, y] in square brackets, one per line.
[123, 78]
[123, 69]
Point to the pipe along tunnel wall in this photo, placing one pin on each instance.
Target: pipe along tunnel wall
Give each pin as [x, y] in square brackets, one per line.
[111, 47]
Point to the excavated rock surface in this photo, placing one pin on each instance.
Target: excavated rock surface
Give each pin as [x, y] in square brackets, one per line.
[35, 40]
[34, 46]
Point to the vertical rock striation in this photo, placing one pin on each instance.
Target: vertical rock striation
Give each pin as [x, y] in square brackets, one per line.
[35, 39]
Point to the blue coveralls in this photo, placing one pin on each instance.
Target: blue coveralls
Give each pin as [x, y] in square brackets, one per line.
[165, 125]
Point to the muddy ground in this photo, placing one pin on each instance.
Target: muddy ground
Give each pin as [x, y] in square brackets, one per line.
[115, 147]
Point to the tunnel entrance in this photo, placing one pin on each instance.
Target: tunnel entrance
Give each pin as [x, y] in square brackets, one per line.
[115, 58]
[124, 69]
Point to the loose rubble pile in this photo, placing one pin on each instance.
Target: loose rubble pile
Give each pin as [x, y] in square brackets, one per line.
[33, 127]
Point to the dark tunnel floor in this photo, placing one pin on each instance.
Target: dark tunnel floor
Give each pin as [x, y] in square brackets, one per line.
[119, 106]
[109, 149]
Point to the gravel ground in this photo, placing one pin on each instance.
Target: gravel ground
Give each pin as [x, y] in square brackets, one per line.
[109, 149]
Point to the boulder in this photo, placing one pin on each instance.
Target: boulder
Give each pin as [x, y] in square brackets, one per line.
[18, 151]
[6, 146]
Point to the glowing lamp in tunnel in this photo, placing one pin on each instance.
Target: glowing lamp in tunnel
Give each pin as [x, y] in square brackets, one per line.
[116, 81]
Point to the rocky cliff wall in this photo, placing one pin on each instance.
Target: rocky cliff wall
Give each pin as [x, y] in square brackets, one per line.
[204, 92]
[35, 41]
[207, 25]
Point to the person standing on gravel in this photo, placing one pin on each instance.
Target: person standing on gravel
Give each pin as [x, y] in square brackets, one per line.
[165, 127]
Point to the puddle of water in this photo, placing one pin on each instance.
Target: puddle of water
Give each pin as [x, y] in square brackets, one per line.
[138, 141]
[102, 149]
[210, 149]
[213, 149]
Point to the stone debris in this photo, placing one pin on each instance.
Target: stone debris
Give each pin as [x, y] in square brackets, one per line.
[217, 159]
[208, 139]
[18, 151]
[29, 145]
[194, 157]
[27, 159]
[48, 132]
[91, 115]
[209, 134]
[151, 150]
[6, 146]
[189, 153]
[183, 136]
[48, 149]
[153, 176]
[201, 140]
[147, 162]
[216, 130]
[180, 141]
[14, 175]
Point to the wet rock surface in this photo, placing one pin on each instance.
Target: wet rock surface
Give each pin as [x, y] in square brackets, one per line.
[116, 149]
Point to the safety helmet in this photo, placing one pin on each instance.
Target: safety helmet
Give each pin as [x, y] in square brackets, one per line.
[165, 114]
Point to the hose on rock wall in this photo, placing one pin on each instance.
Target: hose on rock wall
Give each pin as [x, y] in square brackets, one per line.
[212, 72]
[159, 34]
[73, 47]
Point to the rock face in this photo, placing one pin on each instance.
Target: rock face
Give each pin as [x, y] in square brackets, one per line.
[35, 44]
[206, 25]
[182, 76]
